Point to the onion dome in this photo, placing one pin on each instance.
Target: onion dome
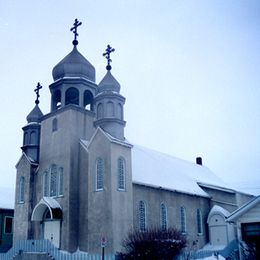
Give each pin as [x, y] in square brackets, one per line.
[74, 65]
[35, 115]
[109, 83]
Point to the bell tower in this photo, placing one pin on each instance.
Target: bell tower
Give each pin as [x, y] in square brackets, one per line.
[32, 131]
[74, 79]
[109, 103]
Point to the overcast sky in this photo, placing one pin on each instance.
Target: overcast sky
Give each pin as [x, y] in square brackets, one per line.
[190, 72]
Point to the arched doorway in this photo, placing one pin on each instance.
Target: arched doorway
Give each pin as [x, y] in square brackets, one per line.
[48, 212]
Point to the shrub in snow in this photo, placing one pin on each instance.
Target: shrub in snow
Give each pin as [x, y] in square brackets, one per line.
[153, 243]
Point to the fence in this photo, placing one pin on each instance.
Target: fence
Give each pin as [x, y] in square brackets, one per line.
[230, 251]
[45, 246]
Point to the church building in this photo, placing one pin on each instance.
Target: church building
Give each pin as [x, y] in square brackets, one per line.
[79, 180]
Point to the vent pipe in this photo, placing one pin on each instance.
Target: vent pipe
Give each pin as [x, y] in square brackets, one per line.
[199, 160]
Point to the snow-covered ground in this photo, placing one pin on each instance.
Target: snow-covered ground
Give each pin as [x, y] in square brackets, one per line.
[213, 258]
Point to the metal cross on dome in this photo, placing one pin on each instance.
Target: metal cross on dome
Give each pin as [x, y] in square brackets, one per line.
[74, 29]
[37, 90]
[109, 49]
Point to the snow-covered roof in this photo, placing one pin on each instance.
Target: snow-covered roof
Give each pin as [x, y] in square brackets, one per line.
[6, 198]
[157, 169]
[218, 210]
[242, 210]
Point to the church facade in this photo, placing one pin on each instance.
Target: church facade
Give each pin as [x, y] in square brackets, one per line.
[79, 180]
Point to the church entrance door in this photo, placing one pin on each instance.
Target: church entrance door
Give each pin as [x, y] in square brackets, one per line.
[52, 231]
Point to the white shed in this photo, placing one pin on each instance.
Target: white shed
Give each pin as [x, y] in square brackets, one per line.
[221, 233]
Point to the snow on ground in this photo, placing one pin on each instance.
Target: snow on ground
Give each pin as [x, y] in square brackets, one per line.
[212, 258]
[6, 198]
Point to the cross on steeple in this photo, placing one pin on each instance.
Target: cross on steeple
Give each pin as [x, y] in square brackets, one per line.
[109, 49]
[37, 90]
[74, 29]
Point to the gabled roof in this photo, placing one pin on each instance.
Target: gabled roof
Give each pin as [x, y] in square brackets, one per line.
[112, 139]
[160, 170]
[244, 209]
[28, 158]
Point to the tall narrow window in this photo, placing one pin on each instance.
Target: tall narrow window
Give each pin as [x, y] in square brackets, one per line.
[25, 139]
[121, 173]
[33, 137]
[21, 190]
[110, 109]
[199, 221]
[53, 184]
[54, 124]
[163, 215]
[120, 111]
[183, 220]
[60, 181]
[142, 216]
[46, 184]
[100, 111]
[8, 225]
[99, 174]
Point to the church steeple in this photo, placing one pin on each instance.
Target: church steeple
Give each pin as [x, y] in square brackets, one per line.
[31, 137]
[109, 103]
[74, 70]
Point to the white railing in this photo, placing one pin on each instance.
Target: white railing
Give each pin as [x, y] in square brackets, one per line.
[45, 246]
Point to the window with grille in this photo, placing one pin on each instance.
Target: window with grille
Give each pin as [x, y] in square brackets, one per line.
[121, 173]
[183, 220]
[21, 189]
[53, 185]
[163, 216]
[199, 221]
[99, 174]
[60, 181]
[53, 182]
[142, 216]
[46, 184]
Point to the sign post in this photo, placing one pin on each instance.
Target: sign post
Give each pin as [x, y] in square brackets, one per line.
[103, 245]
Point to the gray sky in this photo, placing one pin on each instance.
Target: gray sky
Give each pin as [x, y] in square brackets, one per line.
[190, 72]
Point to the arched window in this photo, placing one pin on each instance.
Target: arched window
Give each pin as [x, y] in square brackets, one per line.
[46, 184]
[60, 181]
[72, 96]
[199, 221]
[53, 181]
[183, 220]
[110, 109]
[121, 173]
[100, 111]
[142, 216]
[25, 139]
[21, 189]
[54, 124]
[120, 111]
[100, 174]
[88, 100]
[163, 215]
[33, 138]
[56, 100]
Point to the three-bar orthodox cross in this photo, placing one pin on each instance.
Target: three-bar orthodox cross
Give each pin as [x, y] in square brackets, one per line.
[37, 90]
[74, 29]
[109, 49]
